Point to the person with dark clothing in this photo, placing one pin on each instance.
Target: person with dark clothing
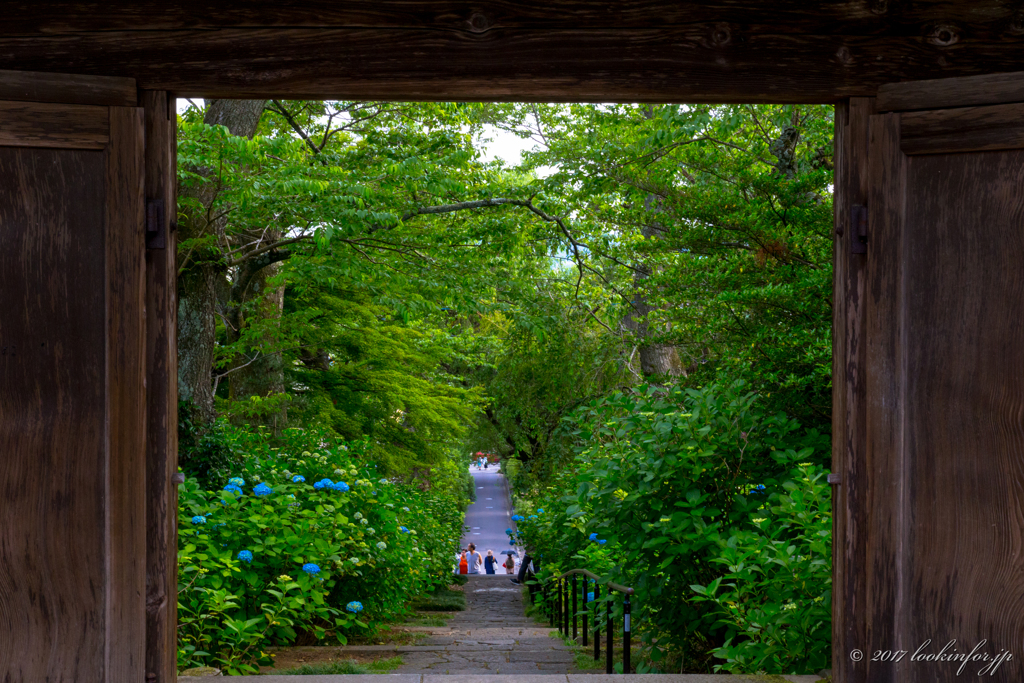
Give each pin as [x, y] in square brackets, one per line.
[489, 562]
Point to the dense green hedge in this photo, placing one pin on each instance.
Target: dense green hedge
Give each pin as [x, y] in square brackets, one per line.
[718, 515]
[279, 554]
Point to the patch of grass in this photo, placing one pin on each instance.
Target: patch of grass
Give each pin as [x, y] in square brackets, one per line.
[345, 667]
[460, 579]
[584, 660]
[429, 621]
[382, 666]
[442, 599]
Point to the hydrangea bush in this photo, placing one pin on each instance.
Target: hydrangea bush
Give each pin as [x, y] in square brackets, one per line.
[270, 559]
[715, 512]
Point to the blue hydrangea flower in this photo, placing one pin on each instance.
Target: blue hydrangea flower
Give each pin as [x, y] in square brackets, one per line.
[340, 486]
[199, 519]
[354, 607]
[262, 490]
[759, 487]
[512, 542]
[298, 479]
[234, 488]
[311, 568]
[322, 483]
[383, 481]
[403, 529]
[540, 511]
[508, 531]
[593, 537]
[590, 596]
[603, 541]
[236, 481]
[245, 556]
[532, 517]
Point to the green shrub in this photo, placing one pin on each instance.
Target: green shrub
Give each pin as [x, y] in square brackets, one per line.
[775, 599]
[664, 477]
[246, 552]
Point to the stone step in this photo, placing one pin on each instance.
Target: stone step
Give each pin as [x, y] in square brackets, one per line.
[519, 676]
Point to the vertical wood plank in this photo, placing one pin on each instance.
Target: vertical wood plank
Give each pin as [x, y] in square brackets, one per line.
[53, 367]
[161, 398]
[883, 503]
[126, 398]
[848, 399]
[965, 408]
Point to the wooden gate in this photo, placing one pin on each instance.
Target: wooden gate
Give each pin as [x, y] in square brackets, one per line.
[929, 383]
[87, 450]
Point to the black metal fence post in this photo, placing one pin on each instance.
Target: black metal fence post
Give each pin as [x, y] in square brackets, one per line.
[565, 607]
[575, 594]
[556, 615]
[625, 634]
[597, 623]
[608, 631]
[586, 609]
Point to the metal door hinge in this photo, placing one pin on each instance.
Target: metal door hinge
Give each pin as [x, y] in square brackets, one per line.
[834, 478]
[858, 229]
[156, 224]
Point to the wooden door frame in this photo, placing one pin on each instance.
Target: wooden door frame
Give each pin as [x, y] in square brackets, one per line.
[160, 304]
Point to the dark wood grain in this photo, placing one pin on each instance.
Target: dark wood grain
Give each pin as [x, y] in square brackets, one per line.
[29, 86]
[883, 504]
[952, 92]
[161, 399]
[852, 16]
[848, 390]
[126, 397]
[718, 52]
[964, 129]
[28, 124]
[53, 365]
[964, 434]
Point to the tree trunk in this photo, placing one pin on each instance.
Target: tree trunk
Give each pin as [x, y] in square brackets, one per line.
[199, 281]
[259, 373]
[655, 359]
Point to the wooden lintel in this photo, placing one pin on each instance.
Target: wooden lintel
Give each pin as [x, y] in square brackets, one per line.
[558, 50]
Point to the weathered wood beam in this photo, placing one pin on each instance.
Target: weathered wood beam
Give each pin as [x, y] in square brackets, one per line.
[733, 50]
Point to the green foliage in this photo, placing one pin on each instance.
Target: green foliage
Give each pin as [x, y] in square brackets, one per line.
[347, 666]
[205, 451]
[775, 598]
[380, 542]
[665, 477]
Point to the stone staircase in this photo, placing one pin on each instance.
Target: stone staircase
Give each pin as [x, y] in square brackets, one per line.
[494, 642]
[493, 636]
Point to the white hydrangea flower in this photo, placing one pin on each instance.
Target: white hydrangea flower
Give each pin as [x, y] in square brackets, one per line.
[358, 515]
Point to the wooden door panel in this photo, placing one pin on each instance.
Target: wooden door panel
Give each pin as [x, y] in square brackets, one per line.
[964, 428]
[929, 375]
[52, 412]
[72, 393]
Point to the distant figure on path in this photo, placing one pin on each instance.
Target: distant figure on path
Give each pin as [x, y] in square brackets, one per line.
[474, 560]
[510, 565]
[463, 564]
[489, 562]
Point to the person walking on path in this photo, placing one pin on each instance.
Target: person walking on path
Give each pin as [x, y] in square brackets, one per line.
[510, 564]
[474, 560]
[463, 564]
[489, 562]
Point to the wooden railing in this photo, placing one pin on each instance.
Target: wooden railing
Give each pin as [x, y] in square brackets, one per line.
[558, 598]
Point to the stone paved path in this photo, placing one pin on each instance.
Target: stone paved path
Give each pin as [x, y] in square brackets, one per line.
[493, 636]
